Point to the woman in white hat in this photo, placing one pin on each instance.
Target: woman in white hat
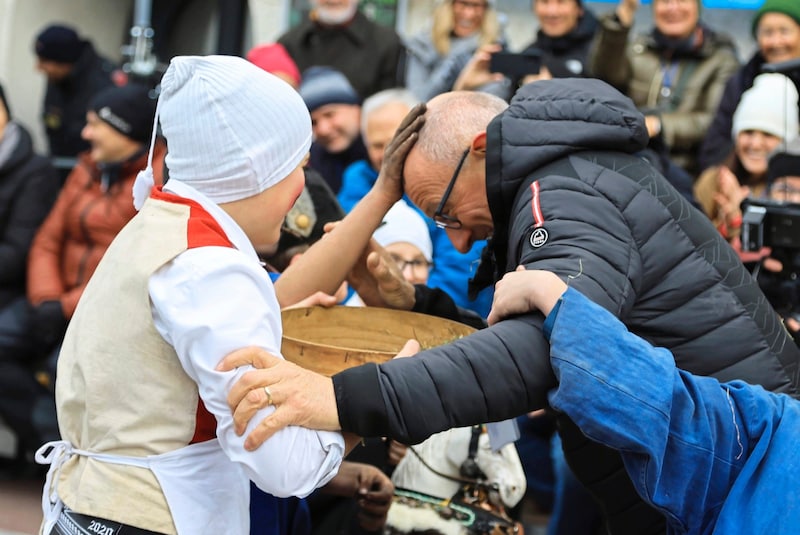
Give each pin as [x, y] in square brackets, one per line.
[765, 117]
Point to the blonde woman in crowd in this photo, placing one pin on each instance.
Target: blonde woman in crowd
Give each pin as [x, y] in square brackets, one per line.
[436, 56]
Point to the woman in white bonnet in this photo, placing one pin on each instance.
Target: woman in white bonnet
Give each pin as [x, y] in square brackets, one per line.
[405, 236]
[149, 443]
[765, 118]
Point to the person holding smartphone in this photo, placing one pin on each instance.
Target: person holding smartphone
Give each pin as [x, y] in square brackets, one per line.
[436, 56]
[560, 50]
[675, 73]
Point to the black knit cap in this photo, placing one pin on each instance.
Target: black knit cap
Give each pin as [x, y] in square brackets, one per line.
[321, 86]
[128, 109]
[59, 43]
[784, 162]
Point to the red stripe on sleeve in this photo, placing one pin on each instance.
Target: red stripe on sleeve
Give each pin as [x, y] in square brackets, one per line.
[536, 208]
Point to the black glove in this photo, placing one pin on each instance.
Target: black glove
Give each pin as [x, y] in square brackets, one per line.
[49, 324]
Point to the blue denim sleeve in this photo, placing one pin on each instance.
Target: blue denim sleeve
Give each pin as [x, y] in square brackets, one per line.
[681, 436]
[550, 320]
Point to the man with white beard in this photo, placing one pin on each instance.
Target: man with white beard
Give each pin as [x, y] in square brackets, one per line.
[336, 34]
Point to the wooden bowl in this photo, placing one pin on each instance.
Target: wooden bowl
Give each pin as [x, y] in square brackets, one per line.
[329, 340]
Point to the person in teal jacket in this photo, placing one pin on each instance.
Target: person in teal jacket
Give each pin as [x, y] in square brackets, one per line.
[713, 457]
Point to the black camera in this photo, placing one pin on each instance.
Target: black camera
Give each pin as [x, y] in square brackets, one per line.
[767, 223]
[775, 224]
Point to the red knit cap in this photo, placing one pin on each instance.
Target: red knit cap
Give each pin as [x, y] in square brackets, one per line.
[274, 59]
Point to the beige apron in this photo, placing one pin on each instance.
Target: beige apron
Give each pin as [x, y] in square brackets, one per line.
[205, 491]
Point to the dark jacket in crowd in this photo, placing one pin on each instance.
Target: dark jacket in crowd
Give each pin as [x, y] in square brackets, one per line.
[718, 142]
[65, 102]
[567, 195]
[28, 188]
[332, 165]
[368, 54]
[567, 56]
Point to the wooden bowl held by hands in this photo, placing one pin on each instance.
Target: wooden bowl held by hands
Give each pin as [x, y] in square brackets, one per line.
[329, 340]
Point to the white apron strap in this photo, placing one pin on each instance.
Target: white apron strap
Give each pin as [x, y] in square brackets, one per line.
[198, 481]
[56, 453]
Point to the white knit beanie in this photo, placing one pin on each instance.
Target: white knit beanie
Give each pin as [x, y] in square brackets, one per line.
[232, 129]
[404, 224]
[769, 106]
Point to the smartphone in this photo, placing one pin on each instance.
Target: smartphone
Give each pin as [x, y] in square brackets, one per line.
[515, 65]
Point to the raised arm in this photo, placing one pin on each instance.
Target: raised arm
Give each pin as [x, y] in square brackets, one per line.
[326, 264]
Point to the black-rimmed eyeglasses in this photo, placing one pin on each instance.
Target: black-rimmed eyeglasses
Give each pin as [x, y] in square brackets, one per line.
[443, 220]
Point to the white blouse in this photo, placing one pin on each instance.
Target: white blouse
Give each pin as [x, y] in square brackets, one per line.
[210, 301]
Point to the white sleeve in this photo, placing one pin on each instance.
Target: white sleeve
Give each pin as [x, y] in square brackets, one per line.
[208, 302]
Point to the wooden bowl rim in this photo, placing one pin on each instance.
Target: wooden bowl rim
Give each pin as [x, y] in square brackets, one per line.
[355, 311]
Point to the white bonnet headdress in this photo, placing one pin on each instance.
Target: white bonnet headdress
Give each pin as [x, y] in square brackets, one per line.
[404, 224]
[232, 129]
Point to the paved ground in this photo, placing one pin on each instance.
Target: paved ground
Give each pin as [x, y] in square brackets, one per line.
[20, 507]
[20, 499]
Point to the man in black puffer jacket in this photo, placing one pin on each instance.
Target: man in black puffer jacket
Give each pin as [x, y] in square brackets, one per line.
[553, 181]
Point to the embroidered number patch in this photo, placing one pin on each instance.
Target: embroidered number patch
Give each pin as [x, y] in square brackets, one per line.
[100, 528]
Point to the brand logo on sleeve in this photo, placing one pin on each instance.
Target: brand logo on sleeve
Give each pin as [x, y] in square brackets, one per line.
[538, 237]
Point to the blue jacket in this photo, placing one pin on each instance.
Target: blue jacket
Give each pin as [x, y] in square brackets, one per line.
[712, 457]
[451, 269]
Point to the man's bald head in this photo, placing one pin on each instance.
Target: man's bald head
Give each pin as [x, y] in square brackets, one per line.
[451, 122]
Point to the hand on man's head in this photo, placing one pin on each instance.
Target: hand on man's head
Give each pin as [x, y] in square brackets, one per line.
[390, 178]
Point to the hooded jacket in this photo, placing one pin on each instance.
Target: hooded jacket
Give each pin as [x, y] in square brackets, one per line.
[567, 195]
[28, 188]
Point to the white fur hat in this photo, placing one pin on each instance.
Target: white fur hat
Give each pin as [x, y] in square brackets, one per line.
[769, 106]
[404, 224]
[232, 129]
